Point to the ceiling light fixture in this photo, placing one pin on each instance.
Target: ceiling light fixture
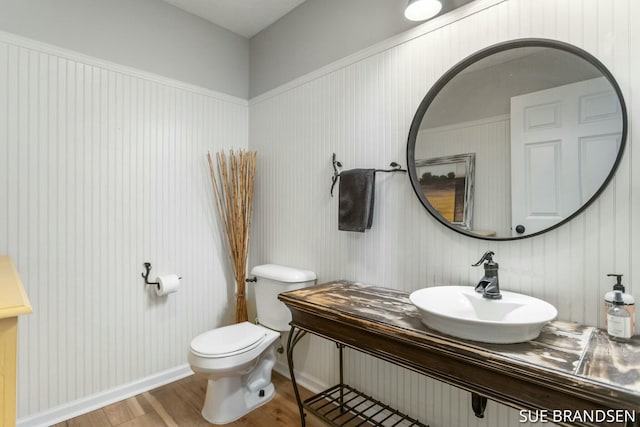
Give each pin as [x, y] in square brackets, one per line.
[421, 10]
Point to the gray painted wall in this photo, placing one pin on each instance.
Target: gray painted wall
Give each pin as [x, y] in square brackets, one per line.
[150, 35]
[319, 32]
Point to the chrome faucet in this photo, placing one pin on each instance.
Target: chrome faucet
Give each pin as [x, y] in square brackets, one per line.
[489, 285]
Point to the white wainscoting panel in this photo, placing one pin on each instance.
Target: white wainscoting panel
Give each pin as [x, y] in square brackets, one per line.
[362, 111]
[102, 169]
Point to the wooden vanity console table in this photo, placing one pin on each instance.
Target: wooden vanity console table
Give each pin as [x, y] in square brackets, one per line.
[569, 367]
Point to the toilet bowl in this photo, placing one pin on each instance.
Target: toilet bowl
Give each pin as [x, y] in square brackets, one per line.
[237, 362]
[237, 359]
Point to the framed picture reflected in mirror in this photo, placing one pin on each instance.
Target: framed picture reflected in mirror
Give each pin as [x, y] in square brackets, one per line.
[447, 184]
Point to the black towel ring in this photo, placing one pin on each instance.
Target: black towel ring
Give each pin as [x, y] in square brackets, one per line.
[395, 167]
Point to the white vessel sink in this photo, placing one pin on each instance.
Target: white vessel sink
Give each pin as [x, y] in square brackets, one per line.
[461, 312]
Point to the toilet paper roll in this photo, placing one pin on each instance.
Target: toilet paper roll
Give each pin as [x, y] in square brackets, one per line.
[167, 284]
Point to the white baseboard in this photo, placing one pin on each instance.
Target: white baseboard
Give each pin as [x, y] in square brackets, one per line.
[90, 403]
[303, 380]
[99, 400]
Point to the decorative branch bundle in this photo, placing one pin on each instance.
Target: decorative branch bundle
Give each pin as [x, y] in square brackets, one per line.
[233, 189]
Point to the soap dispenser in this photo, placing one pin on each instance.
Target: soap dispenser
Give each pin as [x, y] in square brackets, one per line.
[628, 302]
[619, 319]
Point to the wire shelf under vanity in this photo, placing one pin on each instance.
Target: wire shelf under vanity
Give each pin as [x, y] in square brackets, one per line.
[343, 405]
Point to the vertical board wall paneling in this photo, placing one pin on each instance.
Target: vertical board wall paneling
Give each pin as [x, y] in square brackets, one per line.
[102, 169]
[362, 111]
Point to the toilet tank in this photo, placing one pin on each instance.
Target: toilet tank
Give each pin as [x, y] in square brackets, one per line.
[272, 280]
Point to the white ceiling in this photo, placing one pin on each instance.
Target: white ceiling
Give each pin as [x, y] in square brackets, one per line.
[243, 17]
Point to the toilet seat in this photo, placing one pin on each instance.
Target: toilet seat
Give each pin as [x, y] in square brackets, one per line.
[228, 340]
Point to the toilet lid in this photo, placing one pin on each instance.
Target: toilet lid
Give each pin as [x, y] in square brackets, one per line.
[228, 340]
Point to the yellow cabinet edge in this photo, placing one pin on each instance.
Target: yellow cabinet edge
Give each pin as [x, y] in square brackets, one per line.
[13, 298]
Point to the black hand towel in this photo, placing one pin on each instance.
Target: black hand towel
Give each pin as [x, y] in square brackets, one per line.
[357, 190]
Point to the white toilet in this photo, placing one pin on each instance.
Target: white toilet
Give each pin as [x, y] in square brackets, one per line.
[237, 359]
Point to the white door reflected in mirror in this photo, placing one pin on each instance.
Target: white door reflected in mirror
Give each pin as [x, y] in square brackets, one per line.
[564, 142]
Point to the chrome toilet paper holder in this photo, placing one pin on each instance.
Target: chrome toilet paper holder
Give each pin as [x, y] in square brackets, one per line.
[145, 276]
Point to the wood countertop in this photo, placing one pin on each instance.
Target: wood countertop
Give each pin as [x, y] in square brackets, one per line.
[569, 366]
[13, 298]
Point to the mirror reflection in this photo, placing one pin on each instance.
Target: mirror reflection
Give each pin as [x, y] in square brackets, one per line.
[544, 125]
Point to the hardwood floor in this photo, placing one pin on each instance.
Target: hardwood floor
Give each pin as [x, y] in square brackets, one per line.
[179, 404]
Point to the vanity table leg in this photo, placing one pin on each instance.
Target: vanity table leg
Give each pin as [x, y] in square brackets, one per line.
[340, 349]
[479, 404]
[294, 337]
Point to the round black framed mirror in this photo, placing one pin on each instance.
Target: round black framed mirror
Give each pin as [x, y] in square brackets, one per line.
[517, 139]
